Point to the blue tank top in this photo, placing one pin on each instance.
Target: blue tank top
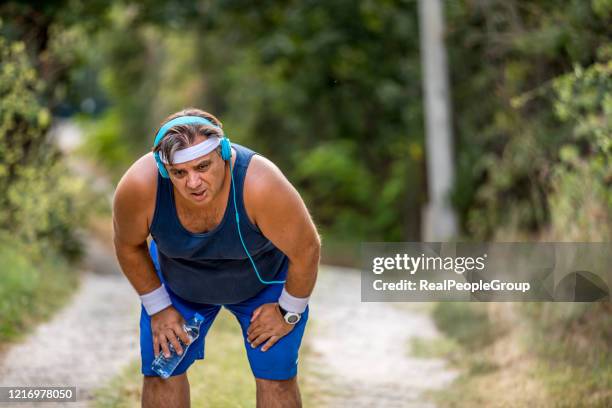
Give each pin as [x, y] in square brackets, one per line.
[212, 267]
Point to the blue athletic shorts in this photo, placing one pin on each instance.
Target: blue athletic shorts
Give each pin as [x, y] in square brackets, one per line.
[278, 363]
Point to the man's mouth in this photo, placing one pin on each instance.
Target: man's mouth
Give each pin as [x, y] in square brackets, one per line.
[199, 194]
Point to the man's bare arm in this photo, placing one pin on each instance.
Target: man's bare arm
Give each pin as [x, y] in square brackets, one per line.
[280, 214]
[134, 197]
[130, 227]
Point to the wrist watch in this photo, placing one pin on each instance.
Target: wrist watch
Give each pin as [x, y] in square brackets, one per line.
[290, 317]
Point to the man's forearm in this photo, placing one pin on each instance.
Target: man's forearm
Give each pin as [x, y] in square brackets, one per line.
[138, 267]
[302, 272]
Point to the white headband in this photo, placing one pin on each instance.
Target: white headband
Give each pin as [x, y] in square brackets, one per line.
[193, 152]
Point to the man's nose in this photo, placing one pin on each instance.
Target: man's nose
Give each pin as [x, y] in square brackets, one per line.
[193, 180]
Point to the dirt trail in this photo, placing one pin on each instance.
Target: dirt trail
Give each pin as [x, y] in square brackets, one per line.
[87, 342]
[363, 348]
[360, 348]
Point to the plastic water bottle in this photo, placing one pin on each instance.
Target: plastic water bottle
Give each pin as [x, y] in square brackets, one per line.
[166, 366]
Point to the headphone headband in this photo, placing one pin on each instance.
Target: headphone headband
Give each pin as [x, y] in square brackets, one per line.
[181, 120]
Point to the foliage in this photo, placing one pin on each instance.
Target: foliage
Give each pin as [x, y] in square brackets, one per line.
[32, 286]
[467, 323]
[40, 203]
[54, 32]
[104, 140]
[583, 177]
[330, 91]
[522, 102]
[314, 86]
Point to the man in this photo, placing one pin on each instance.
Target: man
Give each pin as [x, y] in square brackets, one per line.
[227, 229]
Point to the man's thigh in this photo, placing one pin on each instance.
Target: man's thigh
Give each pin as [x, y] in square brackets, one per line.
[279, 362]
[195, 350]
[187, 310]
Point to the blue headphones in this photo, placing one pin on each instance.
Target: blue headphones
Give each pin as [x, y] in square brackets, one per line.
[226, 146]
[226, 154]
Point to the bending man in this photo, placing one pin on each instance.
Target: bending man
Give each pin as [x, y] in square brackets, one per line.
[228, 230]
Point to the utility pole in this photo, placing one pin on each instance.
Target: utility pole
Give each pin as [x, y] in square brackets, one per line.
[439, 219]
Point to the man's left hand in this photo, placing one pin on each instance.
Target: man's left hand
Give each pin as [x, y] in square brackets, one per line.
[268, 324]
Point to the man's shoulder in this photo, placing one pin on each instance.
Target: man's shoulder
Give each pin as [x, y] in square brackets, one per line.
[134, 201]
[263, 175]
[264, 181]
[140, 179]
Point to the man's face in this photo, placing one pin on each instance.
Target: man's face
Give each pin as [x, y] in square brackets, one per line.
[200, 180]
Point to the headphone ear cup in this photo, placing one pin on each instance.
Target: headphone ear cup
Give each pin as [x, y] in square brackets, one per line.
[160, 166]
[226, 149]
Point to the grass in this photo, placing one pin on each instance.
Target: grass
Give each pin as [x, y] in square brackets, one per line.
[33, 285]
[466, 323]
[541, 355]
[440, 347]
[574, 351]
[222, 379]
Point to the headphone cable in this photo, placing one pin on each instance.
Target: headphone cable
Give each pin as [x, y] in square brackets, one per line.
[240, 233]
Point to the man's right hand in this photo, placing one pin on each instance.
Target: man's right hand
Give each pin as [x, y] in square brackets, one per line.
[167, 326]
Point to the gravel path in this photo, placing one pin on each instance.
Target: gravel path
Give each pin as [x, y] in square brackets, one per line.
[362, 349]
[87, 342]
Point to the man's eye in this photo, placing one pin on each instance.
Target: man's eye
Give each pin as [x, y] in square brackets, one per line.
[203, 166]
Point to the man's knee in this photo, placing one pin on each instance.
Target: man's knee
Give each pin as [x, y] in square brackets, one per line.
[276, 385]
[173, 381]
[172, 392]
[278, 393]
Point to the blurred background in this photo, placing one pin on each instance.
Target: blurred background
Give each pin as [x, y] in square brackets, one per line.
[334, 92]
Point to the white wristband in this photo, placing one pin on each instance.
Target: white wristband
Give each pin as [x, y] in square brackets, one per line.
[156, 301]
[291, 303]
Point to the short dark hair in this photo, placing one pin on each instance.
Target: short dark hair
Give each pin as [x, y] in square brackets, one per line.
[182, 136]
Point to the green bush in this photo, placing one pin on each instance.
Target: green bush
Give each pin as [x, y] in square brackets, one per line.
[531, 87]
[105, 143]
[41, 203]
[467, 323]
[582, 179]
[32, 286]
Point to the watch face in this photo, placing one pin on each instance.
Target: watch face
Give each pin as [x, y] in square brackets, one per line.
[292, 319]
